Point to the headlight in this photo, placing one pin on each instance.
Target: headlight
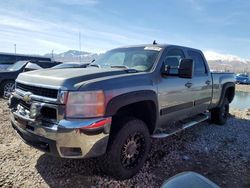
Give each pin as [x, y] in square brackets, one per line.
[83, 104]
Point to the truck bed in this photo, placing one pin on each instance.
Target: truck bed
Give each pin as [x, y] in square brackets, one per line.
[219, 80]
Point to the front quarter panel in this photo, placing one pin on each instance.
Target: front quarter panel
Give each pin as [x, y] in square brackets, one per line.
[122, 90]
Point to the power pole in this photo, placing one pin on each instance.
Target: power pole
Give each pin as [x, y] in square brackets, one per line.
[80, 47]
[15, 48]
[52, 54]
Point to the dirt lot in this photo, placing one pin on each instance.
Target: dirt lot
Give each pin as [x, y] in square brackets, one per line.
[221, 153]
[245, 88]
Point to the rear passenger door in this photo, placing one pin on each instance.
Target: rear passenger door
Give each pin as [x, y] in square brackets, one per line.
[201, 82]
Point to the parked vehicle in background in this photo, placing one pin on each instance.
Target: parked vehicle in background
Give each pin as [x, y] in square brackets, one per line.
[8, 76]
[189, 180]
[113, 107]
[7, 59]
[242, 78]
[71, 65]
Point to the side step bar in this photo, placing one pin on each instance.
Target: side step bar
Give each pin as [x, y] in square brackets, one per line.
[186, 124]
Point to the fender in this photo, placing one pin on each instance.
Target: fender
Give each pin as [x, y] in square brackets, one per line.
[129, 98]
[223, 92]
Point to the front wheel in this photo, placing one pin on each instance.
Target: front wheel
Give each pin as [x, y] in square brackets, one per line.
[127, 150]
[7, 88]
[219, 115]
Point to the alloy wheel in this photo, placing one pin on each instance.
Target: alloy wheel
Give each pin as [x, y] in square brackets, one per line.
[132, 150]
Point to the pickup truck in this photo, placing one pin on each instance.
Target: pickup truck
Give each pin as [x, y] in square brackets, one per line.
[112, 108]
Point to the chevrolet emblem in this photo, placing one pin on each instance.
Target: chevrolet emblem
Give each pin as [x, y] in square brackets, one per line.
[27, 97]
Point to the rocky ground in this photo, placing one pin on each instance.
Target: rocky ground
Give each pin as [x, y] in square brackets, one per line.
[221, 153]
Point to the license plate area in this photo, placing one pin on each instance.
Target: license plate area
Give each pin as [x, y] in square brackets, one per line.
[23, 110]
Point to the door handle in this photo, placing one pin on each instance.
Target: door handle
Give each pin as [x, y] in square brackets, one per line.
[188, 84]
[208, 82]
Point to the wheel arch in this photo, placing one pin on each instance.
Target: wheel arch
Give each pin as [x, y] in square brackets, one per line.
[2, 83]
[140, 104]
[228, 91]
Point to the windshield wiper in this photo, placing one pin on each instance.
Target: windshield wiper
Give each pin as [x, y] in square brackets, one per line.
[127, 69]
[94, 65]
[120, 66]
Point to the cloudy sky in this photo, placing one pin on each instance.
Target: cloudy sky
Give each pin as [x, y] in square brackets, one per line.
[39, 26]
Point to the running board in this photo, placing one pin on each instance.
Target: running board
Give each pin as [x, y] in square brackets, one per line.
[186, 124]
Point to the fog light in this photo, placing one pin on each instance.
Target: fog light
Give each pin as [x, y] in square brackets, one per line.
[35, 110]
[69, 151]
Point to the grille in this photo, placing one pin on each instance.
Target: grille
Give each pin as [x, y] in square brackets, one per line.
[24, 104]
[49, 113]
[44, 92]
[46, 112]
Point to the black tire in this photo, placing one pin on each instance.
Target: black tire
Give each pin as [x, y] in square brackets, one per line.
[220, 114]
[7, 87]
[127, 150]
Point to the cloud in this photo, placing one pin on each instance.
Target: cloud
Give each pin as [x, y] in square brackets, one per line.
[52, 45]
[45, 35]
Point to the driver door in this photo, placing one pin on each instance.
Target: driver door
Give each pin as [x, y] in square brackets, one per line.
[174, 93]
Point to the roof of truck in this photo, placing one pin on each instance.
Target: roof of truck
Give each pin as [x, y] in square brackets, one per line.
[158, 45]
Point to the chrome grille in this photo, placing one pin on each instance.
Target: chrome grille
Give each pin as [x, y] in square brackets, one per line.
[44, 92]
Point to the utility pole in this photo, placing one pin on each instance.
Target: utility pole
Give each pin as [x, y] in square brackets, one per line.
[15, 48]
[80, 47]
[52, 54]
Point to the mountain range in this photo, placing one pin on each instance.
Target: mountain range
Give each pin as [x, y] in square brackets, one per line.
[73, 56]
[227, 62]
[216, 61]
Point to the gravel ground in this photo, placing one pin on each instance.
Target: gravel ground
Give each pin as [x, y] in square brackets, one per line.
[221, 153]
[245, 88]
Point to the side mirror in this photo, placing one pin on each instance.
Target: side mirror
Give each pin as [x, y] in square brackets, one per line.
[186, 68]
[170, 66]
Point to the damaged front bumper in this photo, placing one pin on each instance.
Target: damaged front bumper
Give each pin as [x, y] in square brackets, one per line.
[65, 138]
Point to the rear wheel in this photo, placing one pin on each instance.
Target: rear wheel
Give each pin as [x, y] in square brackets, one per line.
[127, 150]
[219, 115]
[7, 87]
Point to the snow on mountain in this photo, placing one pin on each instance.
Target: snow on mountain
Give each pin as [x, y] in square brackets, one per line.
[74, 55]
[227, 62]
[212, 56]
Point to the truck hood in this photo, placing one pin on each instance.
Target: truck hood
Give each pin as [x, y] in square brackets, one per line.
[65, 78]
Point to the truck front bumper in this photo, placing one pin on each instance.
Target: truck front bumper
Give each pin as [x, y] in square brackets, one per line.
[67, 138]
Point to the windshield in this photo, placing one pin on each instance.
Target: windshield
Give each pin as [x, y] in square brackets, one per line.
[138, 58]
[17, 66]
[243, 75]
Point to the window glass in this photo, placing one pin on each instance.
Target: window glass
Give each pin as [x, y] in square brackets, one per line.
[199, 64]
[173, 57]
[116, 59]
[138, 58]
[17, 66]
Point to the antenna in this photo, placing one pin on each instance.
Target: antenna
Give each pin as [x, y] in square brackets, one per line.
[80, 47]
